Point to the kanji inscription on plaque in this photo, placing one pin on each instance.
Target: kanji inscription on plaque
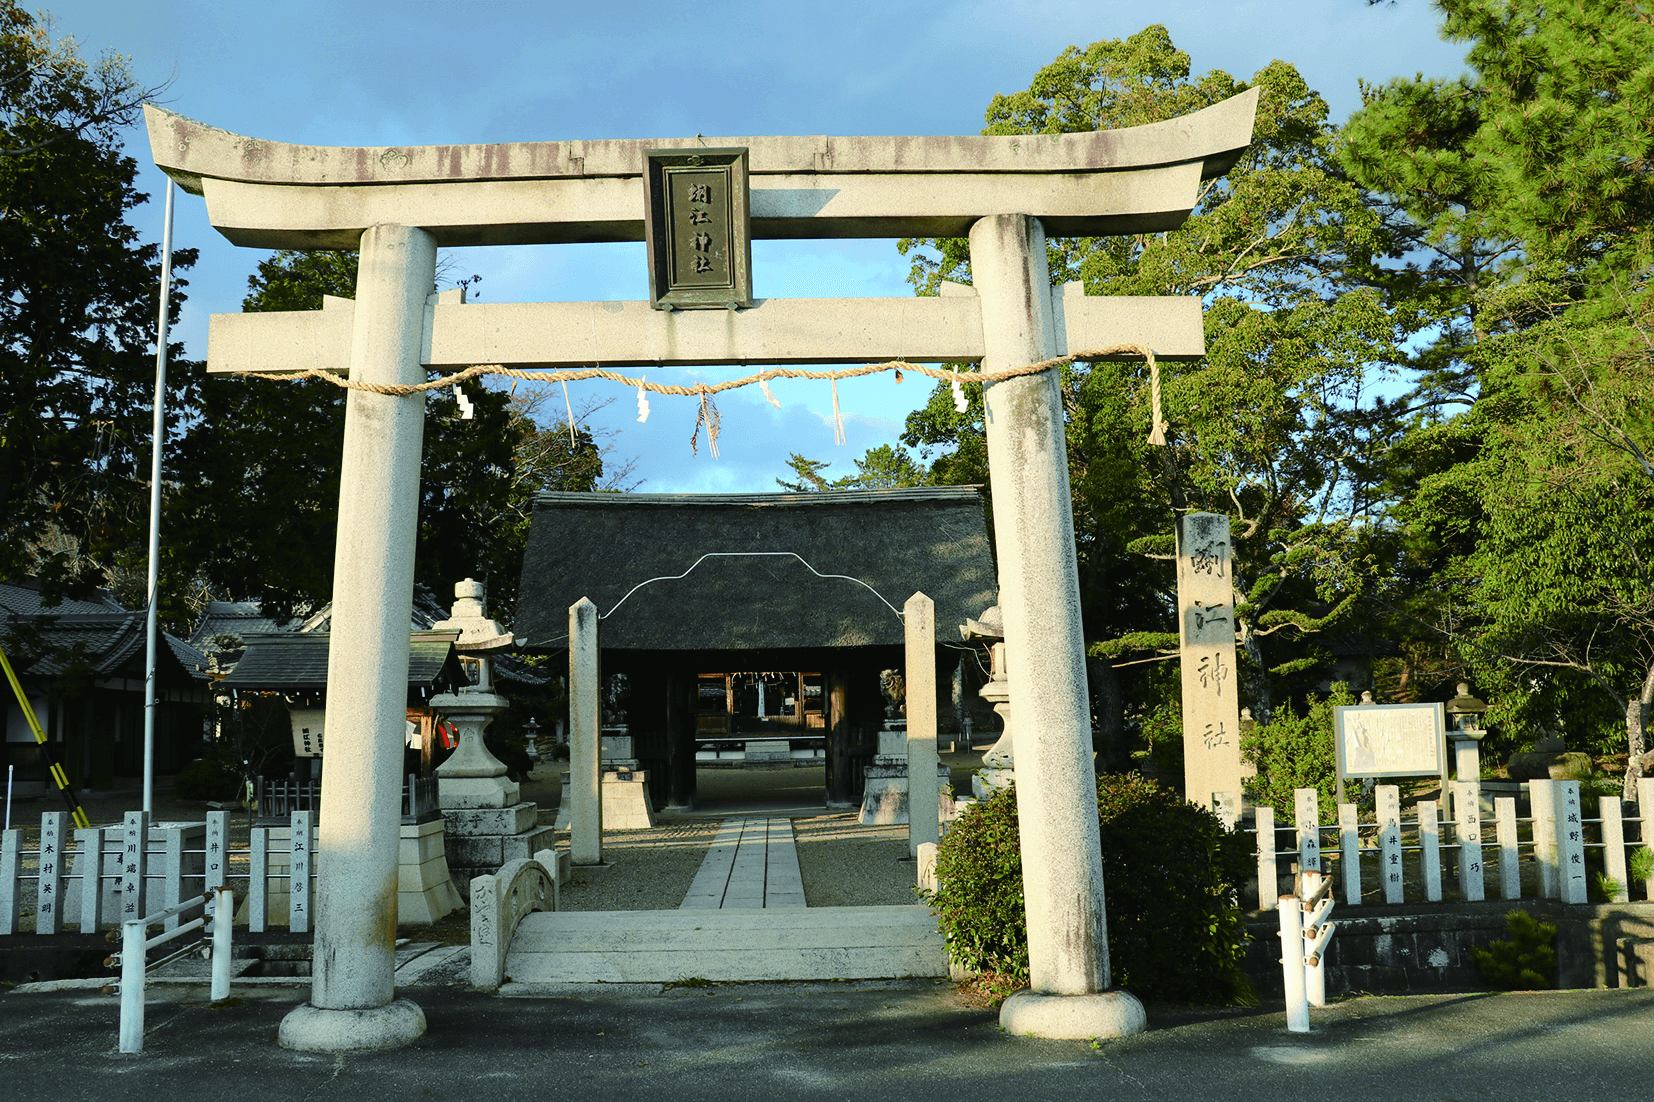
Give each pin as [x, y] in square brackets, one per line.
[698, 228]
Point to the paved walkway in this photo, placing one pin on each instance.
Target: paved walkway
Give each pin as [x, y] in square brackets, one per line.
[752, 863]
[743, 918]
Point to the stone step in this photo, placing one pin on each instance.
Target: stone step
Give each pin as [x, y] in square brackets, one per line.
[733, 944]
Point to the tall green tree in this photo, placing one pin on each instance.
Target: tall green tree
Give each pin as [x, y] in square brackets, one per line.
[255, 515]
[1524, 190]
[79, 292]
[50, 92]
[1276, 427]
[881, 468]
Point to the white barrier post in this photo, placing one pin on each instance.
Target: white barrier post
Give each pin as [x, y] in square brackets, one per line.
[1318, 904]
[1542, 799]
[1467, 801]
[1349, 843]
[298, 868]
[132, 985]
[1306, 814]
[89, 842]
[223, 920]
[11, 847]
[1292, 964]
[134, 865]
[48, 907]
[1430, 850]
[1389, 842]
[1570, 839]
[258, 880]
[217, 849]
[1645, 824]
[172, 870]
[1613, 847]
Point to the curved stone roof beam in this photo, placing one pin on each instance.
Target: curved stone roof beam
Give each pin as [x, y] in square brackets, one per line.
[279, 195]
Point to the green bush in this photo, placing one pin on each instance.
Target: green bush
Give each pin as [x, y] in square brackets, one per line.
[1525, 962]
[1175, 932]
[208, 778]
[1642, 863]
[1293, 751]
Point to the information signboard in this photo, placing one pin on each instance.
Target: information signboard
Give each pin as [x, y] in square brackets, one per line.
[1390, 740]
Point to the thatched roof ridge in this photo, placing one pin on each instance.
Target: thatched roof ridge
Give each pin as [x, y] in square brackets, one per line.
[741, 590]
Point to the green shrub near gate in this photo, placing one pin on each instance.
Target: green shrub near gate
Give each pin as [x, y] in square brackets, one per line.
[1175, 930]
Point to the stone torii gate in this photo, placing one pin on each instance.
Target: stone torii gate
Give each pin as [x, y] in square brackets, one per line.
[397, 206]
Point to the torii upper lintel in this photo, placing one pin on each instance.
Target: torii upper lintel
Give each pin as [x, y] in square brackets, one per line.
[279, 195]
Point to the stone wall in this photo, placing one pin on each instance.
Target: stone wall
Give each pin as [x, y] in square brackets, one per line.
[1377, 950]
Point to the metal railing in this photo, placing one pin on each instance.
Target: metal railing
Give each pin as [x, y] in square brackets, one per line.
[215, 921]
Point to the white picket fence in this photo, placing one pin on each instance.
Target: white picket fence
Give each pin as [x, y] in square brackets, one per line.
[90, 878]
[1398, 860]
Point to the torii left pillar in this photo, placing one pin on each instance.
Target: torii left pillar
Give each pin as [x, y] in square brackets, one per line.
[353, 1002]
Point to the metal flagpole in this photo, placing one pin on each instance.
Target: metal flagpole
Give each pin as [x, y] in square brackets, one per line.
[158, 434]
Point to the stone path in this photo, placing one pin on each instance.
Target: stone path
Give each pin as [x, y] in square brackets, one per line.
[752, 863]
[743, 918]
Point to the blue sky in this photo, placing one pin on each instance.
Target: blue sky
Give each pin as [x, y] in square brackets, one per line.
[424, 72]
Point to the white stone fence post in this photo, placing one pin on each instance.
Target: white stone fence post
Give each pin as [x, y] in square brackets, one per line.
[1397, 855]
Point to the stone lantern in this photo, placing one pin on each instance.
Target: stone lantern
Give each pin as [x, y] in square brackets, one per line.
[487, 822]
[1465, 732]
[999, 763]
[473, 777]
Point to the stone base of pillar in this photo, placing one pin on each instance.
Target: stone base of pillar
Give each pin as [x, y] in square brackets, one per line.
[310, 1028]
[457, 792]
[626, 801]
[625, 795]
[425, 889]
[884, 792]
[1114, 1013]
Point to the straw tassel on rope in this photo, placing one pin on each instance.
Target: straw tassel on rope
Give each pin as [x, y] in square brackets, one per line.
[708, 416]
[1158, 427]
[838, 418]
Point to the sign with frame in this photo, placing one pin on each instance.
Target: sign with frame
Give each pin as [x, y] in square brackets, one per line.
[307, 726]
[1390, 740]
[698, 228]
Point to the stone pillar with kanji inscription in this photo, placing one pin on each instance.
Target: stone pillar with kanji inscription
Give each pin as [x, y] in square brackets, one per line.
[1206, 630]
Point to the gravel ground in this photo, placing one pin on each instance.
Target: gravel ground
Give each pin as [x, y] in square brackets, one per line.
[843, 863]
[644, 870]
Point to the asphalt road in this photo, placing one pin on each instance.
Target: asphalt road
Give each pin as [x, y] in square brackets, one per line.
[885, 1041]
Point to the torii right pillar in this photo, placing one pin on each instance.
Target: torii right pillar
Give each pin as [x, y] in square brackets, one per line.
[1039, 593]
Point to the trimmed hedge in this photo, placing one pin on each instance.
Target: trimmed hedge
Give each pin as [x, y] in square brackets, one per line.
[1175, 931]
